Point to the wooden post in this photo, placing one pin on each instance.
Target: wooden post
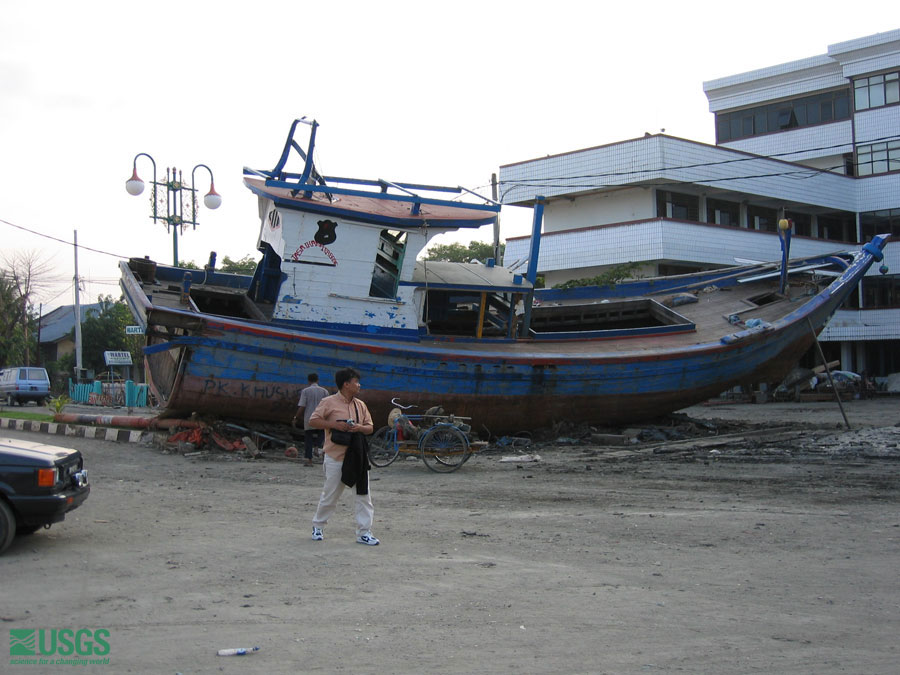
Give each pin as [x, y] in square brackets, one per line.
[481, 309]
[828, 371]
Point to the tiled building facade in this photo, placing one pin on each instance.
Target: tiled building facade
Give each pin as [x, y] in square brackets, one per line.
[815, 140]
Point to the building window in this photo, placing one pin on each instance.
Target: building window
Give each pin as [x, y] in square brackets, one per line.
[677, 206]
[837, 226]
[880, 222]
[876, 91]
[806, 111]
[849, 166]
[877, 158]
[802, 222]
[881, 292]
[761, 218]
[723, 213]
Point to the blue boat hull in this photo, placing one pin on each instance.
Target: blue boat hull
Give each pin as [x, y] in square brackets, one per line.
[249, 369]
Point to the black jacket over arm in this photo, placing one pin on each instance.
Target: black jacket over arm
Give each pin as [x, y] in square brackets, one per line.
[355, 469]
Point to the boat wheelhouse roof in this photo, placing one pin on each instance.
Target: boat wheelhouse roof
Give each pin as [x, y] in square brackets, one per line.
[381, 208]
[381, 202]
[468, 276]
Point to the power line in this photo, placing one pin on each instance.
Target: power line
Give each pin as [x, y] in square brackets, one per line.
[62, 241]
[800, 174]
[65, 290]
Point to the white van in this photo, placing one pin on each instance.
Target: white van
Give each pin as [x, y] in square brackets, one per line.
[21, 384]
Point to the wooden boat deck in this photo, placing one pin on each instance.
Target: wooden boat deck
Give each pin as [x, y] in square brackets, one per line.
[709, 314]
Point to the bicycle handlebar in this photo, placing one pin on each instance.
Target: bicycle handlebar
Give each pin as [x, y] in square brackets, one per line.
[400, 405]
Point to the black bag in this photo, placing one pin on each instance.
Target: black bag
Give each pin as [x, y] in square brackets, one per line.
[341, 437]
[344, 437]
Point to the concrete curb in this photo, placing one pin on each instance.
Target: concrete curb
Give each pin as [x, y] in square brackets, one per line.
[77, 430]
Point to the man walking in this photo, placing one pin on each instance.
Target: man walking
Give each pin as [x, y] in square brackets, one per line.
[344, 412]
[310, 398]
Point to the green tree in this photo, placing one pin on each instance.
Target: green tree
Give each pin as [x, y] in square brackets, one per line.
[609, 277]
[104, 330]
[475, 250]
[246, 265]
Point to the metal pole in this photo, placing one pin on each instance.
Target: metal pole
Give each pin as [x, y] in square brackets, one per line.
[531, 274]
[827, 371]
[40, 318]
[78, 362]
[171, 211]
[496, 222]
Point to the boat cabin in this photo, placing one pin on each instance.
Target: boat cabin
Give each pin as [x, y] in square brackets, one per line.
[350, 276]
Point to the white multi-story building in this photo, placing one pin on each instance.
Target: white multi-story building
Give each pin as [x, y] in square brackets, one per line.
[815, 140]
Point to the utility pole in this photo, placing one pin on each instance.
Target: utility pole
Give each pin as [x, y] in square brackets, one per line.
[40, 319]
[77, 316]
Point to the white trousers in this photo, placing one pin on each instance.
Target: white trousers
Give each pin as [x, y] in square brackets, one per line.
[364, 510]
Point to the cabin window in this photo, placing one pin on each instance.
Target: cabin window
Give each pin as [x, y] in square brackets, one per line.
[388, 261]
[451, 312]
[459, 313]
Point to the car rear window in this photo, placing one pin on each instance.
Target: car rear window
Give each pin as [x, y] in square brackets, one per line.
[33, 374]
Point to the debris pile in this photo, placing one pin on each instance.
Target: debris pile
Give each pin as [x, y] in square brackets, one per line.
[882, 443]
[231, 439]
[680, 438]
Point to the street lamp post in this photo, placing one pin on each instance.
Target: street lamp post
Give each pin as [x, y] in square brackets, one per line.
[171, 202]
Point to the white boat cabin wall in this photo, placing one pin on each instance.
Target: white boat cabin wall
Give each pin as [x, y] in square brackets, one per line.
[342, 273]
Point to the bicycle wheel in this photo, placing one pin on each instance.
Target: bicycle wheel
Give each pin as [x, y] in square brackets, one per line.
[382, 448]
[444, 448]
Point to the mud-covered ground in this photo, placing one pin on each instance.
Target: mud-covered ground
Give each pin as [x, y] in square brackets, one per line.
[764, 539]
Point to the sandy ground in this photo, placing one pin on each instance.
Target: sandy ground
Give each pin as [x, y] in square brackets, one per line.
[779, 558]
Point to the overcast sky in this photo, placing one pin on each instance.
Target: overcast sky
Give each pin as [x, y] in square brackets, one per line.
[432, 92]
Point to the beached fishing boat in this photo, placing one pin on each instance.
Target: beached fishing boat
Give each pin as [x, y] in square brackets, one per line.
[339, 285]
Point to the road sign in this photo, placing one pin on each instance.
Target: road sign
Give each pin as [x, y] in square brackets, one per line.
[117, 358]
[134, 330]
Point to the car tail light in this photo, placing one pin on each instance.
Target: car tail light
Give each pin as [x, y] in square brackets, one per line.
[46, 477]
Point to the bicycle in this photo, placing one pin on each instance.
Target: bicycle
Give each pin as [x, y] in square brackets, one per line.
[443, 446]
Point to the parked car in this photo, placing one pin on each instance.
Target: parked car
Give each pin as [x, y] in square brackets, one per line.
[39, 485]
[21, 384]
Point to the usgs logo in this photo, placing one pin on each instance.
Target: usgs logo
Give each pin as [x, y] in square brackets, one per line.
[58, 642]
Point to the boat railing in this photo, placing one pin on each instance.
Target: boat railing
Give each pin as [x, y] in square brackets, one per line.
[310, 181]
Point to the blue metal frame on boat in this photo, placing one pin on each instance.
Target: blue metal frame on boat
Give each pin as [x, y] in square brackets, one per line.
[483, 214]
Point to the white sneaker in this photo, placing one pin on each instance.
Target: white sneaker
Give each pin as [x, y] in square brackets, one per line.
[317, 534]
[368, 539]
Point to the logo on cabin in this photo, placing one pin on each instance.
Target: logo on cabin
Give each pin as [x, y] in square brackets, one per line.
[323, 256]
[274, 219]
[326, 234]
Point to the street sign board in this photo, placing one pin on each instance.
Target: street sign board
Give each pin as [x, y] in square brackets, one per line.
[134, 330]
[117, 358]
